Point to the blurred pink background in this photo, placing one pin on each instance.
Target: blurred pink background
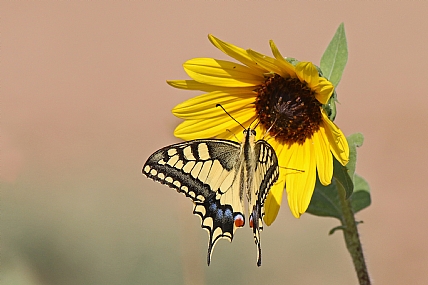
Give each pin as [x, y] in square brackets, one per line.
[84, 103]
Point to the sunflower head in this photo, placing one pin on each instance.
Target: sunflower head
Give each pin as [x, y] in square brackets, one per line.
[286, 97]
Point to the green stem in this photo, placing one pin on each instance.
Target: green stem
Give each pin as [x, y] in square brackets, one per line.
[352, 239]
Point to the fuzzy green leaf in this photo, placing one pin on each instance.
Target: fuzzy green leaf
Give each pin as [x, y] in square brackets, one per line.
[342, 176]
[354, 141]
[335, 57]
[333, 64]
[325, 201]
[360, 199]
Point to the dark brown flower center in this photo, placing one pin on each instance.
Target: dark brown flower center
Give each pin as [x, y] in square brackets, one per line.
[289, 108]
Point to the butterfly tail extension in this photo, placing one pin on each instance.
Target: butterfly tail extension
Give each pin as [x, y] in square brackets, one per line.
[219, 220]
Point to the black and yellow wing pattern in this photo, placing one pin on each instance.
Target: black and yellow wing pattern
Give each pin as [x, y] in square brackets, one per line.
[218, 175]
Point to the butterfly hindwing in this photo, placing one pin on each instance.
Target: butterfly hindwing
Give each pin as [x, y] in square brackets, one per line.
[266, 174]
[267, 169]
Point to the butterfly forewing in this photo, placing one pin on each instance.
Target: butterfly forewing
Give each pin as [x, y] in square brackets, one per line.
[189, 167]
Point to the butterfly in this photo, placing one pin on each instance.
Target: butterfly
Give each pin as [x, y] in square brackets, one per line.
[217, 175]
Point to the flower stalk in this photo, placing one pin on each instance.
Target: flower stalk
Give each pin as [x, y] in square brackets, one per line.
[352, 239]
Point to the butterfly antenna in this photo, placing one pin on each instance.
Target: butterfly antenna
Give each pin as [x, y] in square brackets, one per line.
[219, 105]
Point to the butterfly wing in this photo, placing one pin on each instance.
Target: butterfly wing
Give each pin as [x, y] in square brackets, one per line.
[267, 169]
[266, 174]
[206, 171]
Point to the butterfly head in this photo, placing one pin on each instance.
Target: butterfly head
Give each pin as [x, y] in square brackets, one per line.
[249, 135]
[250, 132]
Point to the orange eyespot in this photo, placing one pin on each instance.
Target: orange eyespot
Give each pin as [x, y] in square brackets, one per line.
[239, 221]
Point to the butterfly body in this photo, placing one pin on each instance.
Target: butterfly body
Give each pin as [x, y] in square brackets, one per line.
[218, 175]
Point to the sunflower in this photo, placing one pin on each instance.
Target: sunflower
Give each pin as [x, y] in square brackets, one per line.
[287, 101]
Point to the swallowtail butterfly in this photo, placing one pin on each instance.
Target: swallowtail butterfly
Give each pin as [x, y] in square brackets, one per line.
[217, 175]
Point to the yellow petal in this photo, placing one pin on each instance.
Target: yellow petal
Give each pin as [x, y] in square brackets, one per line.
[208, 128]
[284, 153]
[204, 106]
[324, 90]
[323, 156]
[308, 183]
[300, 184]
[222, 73]
[195, 85]
[307, 72]
[235, 52]
[268, 63]
[191, 85]
[273, 201]
[337, 140]
[287, 68]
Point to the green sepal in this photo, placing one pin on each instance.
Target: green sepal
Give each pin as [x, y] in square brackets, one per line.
[292, 60]
[330, 107]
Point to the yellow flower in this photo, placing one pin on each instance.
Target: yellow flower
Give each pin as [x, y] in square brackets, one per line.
[287, 101]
